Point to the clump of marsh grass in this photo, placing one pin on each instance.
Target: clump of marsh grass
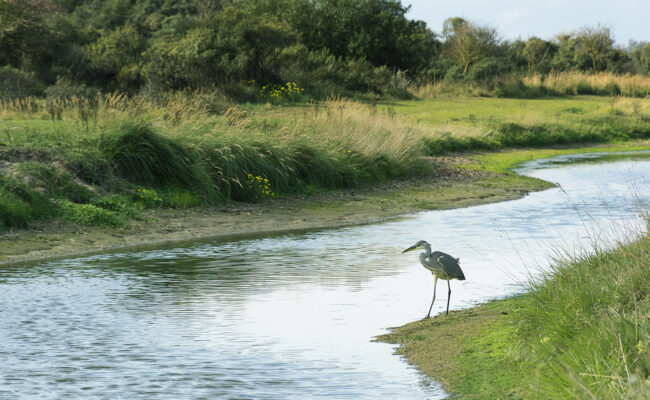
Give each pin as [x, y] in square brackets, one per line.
[584, 329]
[143, 156]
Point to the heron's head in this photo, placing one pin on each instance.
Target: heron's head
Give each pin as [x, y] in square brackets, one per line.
[420, 244]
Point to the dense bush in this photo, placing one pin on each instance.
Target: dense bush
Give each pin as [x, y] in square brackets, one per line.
[17, 84]
[326, 46]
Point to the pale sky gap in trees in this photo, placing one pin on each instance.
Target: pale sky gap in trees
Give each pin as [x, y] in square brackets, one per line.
[627, 19]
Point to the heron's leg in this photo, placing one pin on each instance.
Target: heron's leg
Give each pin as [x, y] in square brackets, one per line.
[448, 296]
[435, 283]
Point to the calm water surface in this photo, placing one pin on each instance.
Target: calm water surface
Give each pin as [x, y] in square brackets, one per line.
[290, 316]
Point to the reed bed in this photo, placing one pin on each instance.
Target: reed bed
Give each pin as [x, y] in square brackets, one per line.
[604, 83]
[540, 85]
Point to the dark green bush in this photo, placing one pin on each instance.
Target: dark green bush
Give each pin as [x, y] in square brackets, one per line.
[65, 89]
[17, 84]
[20, 205]
[612, 89]
[485, 69]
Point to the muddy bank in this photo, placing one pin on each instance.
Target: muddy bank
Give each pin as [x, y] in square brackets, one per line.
[449, 187]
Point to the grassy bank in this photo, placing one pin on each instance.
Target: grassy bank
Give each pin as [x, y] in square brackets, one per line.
[581, 331]
[104, 160]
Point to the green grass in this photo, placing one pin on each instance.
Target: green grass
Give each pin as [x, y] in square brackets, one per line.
[55, 180]
[503, 162]
[469, 124]
[191, 156]
[582, 331]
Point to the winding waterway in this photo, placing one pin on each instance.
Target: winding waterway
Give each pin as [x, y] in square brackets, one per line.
[291, 316]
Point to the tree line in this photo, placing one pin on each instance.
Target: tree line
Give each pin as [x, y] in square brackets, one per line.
[237, 46]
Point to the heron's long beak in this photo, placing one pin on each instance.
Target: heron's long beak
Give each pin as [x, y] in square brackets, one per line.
[410, 249]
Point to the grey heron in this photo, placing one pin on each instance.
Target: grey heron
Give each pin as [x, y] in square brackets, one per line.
[441, 265]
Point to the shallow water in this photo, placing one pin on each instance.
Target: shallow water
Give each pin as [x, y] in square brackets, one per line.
[290, 316]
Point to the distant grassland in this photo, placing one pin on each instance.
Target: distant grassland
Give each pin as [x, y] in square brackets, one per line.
[183, 150]
[538, 85]
[469, 124]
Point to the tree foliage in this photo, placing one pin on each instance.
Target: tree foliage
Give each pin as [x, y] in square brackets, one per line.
[468, 42]
[596, 44]
[326, 46]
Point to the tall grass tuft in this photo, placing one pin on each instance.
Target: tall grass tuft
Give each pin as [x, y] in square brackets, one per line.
[585, 327]
[143, 156]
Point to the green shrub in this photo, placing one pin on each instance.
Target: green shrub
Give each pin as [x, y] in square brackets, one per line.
[20, 205]
[14, 211]
[91, 166]
[88, 214]
[117, 203]
[65, 89]
[485, 69]
[612, 89]
[17, 84]
[146, 198]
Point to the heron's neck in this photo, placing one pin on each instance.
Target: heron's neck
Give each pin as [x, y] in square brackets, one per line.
[427, 251]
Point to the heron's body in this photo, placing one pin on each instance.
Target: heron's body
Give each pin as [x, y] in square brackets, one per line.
[441, 265]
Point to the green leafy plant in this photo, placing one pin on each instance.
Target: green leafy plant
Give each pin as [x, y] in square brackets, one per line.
[276, 93]
[147, 198]
[259, 187]
[88, 214]
[120, 204]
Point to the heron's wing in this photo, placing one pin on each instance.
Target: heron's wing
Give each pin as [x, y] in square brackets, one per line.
[449, 265]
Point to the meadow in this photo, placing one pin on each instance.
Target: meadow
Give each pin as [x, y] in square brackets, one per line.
[100, 160]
